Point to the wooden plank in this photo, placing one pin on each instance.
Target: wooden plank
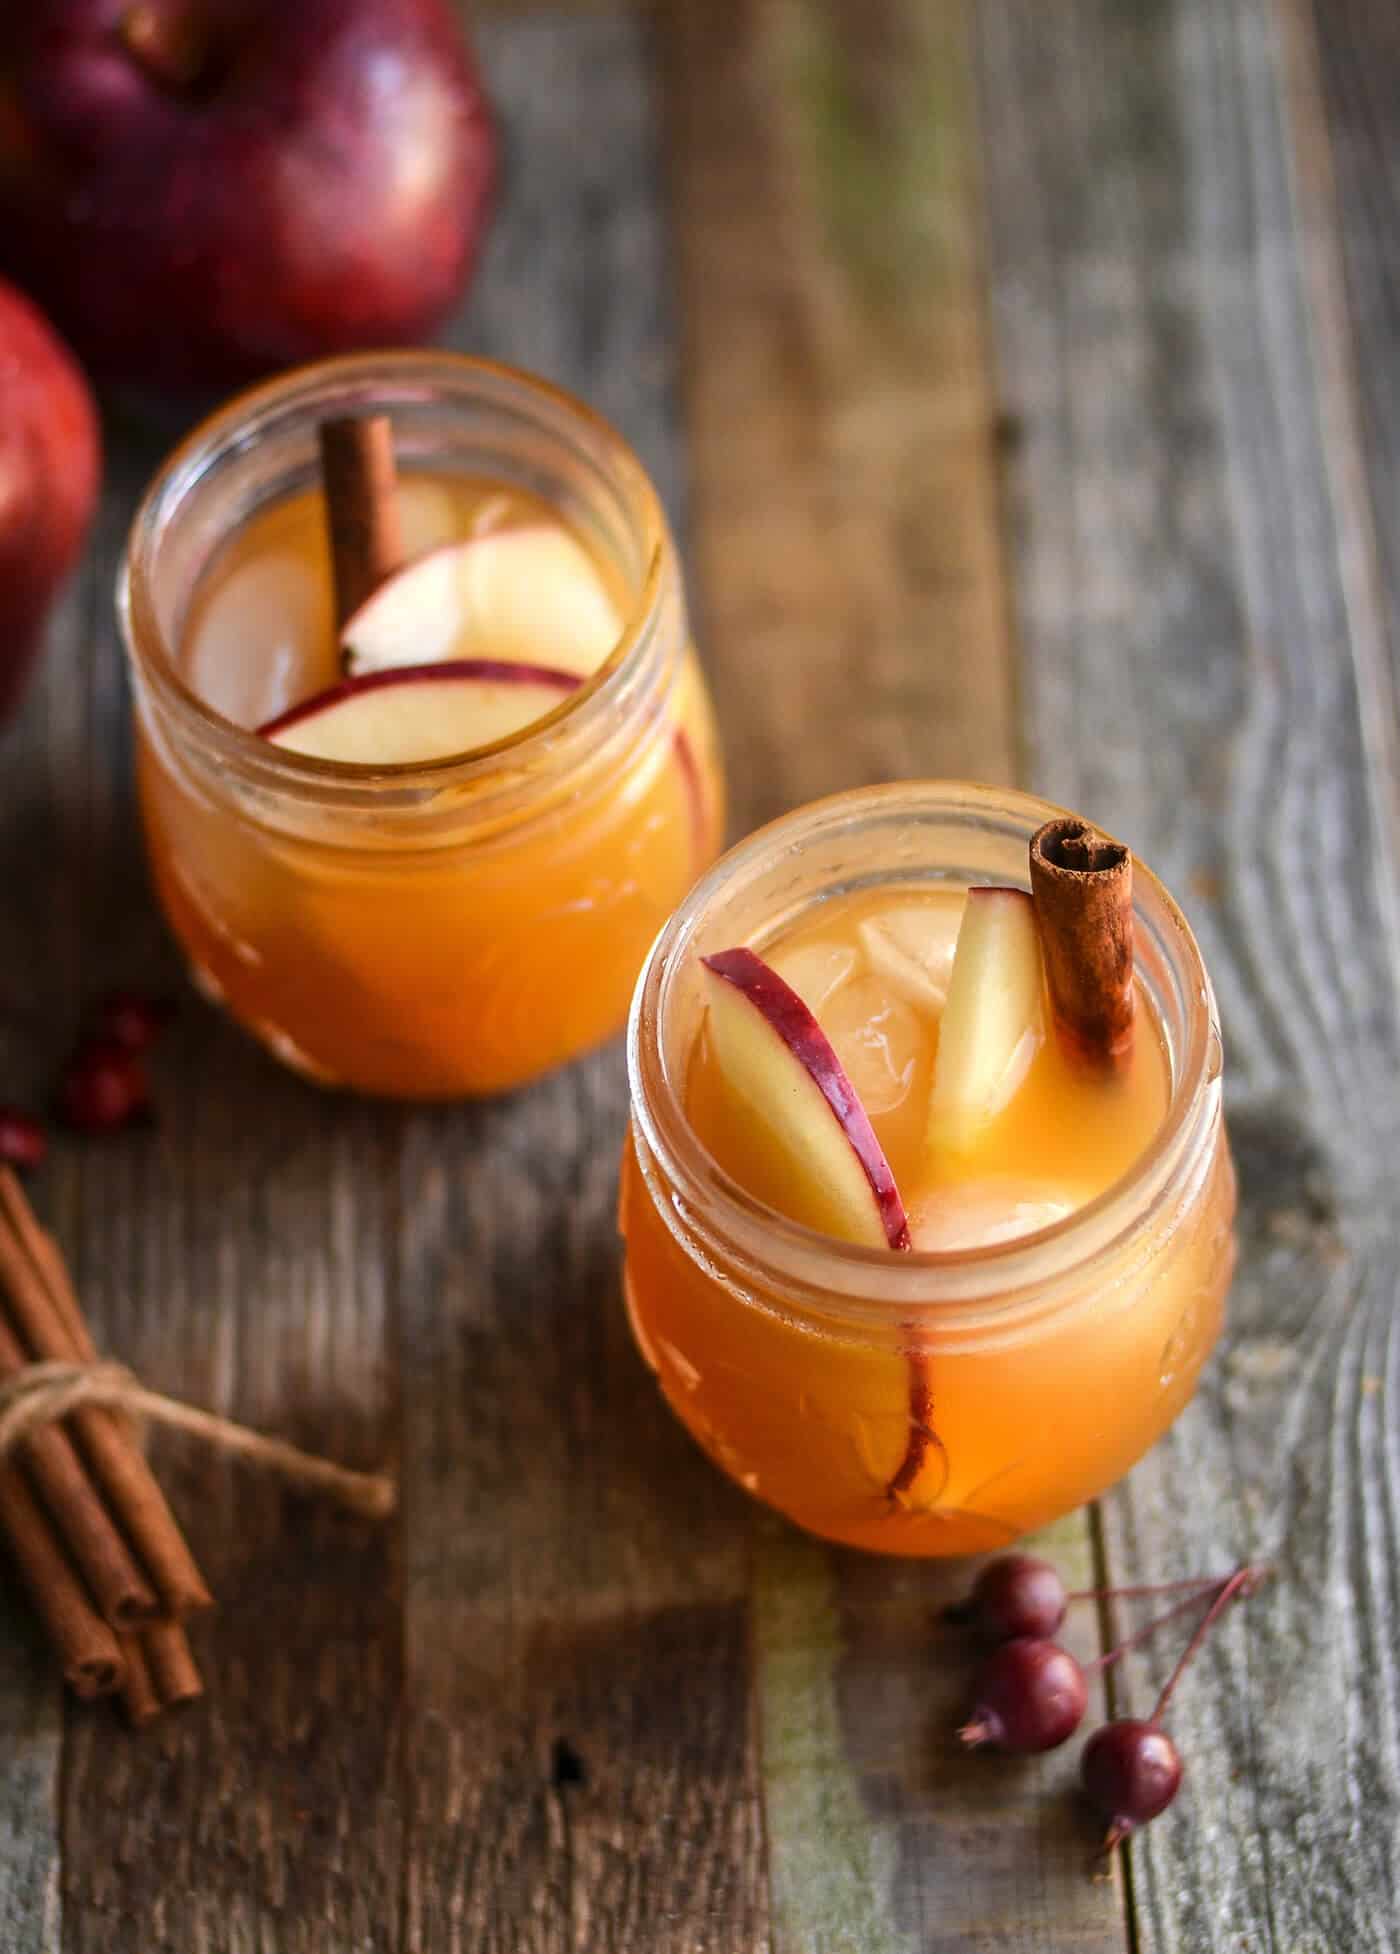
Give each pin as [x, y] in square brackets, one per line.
[1344, 68]
[31, 1707]
[843, 441]
[884, 1836]
[841, 426]
[31, 1727]
[579, 1766]
[239, 1257]
[1191, 678]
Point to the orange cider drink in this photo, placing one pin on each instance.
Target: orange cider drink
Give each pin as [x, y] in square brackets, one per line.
[420, 844]
[916, 1259]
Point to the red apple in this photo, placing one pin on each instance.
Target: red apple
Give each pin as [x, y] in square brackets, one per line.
[783, 1073]
[419, 712]
[50, 462]
[200, 192]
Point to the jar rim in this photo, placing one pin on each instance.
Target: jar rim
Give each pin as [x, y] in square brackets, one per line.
[852, 1279]
[367, 378]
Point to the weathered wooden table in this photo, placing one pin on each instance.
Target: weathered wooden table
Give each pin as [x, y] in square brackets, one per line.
[1021, 376]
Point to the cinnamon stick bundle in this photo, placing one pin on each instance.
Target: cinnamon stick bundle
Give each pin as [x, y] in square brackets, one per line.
[92, 1568]
[45, 1311]
[1082, 887]
[87, 1648]
[124, 1597]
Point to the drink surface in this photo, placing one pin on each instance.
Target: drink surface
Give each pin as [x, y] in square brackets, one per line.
[365, 953]
[923, 1430]
[261, 632]
[1064, 1136]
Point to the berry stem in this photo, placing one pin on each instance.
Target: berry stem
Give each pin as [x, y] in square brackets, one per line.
[1198, 1584]
[1244, 1581]
[1145, 1634]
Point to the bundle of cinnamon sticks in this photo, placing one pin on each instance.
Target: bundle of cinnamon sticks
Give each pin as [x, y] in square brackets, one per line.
[87, 1526]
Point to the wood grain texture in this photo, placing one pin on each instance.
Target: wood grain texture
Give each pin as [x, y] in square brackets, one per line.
[30, 1733]
[1191, 664]
[240, 1258]
[579, 1770]
[842, 437]
[31, 1707]
[1344, 70]
[884, 1836]
[852, 597]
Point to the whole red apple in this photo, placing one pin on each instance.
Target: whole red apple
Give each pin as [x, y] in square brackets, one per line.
[202, 190]
[50, 461]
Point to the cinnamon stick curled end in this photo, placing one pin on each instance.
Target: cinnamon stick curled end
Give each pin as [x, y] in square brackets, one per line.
[1082, 886]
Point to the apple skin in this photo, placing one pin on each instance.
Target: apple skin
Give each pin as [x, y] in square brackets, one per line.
[50, 465]
[493, 671]
[430, 690]
[807, 1047]
[249, 187]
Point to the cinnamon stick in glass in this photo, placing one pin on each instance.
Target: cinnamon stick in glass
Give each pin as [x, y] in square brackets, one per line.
[121, 1591]
[360, 485]
[1082, 886]
[46, 1314]
[87, 1648]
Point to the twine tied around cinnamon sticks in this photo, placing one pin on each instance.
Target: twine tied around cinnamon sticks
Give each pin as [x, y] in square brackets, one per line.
[43, 1393]
[89, 1529]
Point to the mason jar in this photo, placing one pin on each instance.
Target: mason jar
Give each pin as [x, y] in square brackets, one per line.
[1037, 1369]
[455, 927]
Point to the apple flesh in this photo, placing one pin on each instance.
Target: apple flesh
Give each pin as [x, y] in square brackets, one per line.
[419, 712]
[50, 463]
[200, 192]
[529, 595]
[781, 1070]
[993, 1022]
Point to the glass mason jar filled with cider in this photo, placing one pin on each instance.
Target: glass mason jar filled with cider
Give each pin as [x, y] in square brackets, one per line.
[927, 1201]
[425, 756]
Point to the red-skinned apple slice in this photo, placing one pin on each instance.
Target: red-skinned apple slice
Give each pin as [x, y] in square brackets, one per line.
[528, 596]
[993, 1022]
[419, 712]
[779, 1065]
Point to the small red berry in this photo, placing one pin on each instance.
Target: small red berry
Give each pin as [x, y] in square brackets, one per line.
[1029, 1695]
[1016, 1594]
[131, 1020]
[23, 1141]
[103, 1088]
[1131, 1771]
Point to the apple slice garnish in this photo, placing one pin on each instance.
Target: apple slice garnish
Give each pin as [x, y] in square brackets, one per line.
[419, 712]
[911, 946]
[780, 1067]
[993, 1022]
[528, 596]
